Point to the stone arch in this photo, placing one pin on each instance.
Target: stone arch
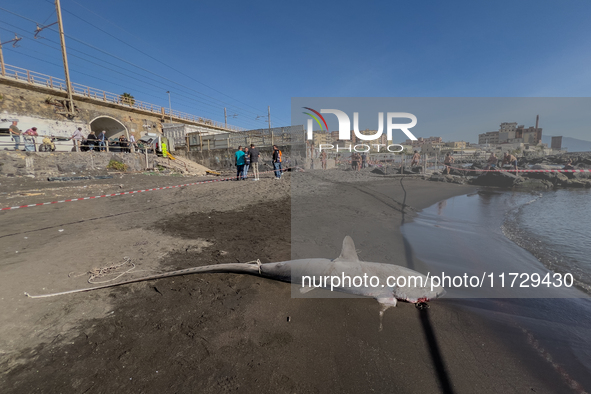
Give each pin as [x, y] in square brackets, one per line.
[112, 126]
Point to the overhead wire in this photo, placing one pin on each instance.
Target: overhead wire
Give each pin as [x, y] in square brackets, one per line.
[158, 60]
[130, 63]
[182, 104]
[161, 62]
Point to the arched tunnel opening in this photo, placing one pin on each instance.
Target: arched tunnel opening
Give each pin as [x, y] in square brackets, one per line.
[112, 127]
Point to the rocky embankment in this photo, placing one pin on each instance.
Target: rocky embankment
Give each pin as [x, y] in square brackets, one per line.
[536, 180]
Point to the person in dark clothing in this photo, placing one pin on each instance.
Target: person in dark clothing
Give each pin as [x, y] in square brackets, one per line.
[254, 161]
[91, 140]
[277, 159]
[246, 163]
[124, 144]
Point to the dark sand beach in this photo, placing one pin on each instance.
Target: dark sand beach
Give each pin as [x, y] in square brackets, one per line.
[217, 333]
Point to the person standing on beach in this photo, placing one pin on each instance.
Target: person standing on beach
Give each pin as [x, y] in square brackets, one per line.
[323, 159]
[354, 162]
[239, 162]
[132, 143]
[416, 159]
[15, 133]
[246, 163]
[91, 140]
[254, 161]
[448, 162]
[77, 138]
[30, 143]
[102, 138]
[363, 160]
[277, 159]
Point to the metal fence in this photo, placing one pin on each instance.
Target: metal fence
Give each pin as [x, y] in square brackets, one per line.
[35, 78]
[282, 136]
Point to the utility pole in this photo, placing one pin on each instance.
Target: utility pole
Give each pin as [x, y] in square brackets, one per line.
[269, 118]
[225, 118]
[2, 61]
[62, 38]
[169, 106]
[14, 41]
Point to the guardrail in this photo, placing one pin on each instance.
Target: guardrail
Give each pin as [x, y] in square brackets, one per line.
[35, 78]
[61, 144]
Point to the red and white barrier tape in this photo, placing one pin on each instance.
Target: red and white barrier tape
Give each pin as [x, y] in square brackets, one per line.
[477, 170]
[131, 192]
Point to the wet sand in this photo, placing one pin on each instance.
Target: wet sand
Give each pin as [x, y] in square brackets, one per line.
[235, 333]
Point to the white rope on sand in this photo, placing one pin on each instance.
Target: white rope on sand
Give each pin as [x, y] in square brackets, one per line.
[105, 271]
[101, 272]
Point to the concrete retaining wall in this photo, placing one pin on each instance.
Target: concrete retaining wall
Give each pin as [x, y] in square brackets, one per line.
[223, 159]
[46, 164]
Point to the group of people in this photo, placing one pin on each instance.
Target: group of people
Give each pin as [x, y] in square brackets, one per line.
[90, 142]
[246, 158]
[493, 161]
[358, 161]
[28, 137]
[101, 141]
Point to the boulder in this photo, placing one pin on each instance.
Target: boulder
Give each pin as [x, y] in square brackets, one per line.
[554, 177]
[574, 183]
[447, 178]
[499, 179]
[535, 184]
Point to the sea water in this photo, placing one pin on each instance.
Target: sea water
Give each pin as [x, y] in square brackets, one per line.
[556, 228]
[494, 231]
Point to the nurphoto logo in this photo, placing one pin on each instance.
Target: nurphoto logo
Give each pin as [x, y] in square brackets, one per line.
[345, 127]
[345, 124]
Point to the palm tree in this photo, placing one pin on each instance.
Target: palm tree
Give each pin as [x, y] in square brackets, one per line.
[127, 98]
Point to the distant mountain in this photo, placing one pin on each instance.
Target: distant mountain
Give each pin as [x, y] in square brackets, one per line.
[572, 144]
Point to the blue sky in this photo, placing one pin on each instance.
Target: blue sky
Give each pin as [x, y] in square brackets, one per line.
[250, 55]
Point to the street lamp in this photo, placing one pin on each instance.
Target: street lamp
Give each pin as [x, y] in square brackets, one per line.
[169, 106]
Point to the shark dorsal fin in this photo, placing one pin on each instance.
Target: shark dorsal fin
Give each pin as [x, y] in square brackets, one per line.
[348, 252]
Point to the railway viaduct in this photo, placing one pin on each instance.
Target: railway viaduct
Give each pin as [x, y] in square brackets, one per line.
[37, 100]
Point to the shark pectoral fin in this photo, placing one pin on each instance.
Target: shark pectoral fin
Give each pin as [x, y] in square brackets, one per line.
[307, 289]
[348, 253]
[385, 303]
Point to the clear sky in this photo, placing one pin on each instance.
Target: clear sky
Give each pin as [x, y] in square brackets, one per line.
[249, 55]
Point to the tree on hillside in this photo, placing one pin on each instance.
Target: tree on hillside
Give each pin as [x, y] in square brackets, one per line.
[127, 98]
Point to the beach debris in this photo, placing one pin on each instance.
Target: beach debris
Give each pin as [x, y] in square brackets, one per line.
[417, 290]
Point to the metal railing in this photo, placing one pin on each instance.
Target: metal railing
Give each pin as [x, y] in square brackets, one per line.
[282, 136]
[35, 78]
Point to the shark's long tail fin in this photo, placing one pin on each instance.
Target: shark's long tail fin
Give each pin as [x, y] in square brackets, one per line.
[348, 252]
[238, 268]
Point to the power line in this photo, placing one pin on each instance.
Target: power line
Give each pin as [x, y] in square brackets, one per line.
[159, 61]
[151, 57]
[141, 68]
[132, 64]
[133, 89]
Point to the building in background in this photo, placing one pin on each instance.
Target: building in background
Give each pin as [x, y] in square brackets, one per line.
[419, 142]
[511, 133]
[490, 137]
[556, 143]
[322, 138]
